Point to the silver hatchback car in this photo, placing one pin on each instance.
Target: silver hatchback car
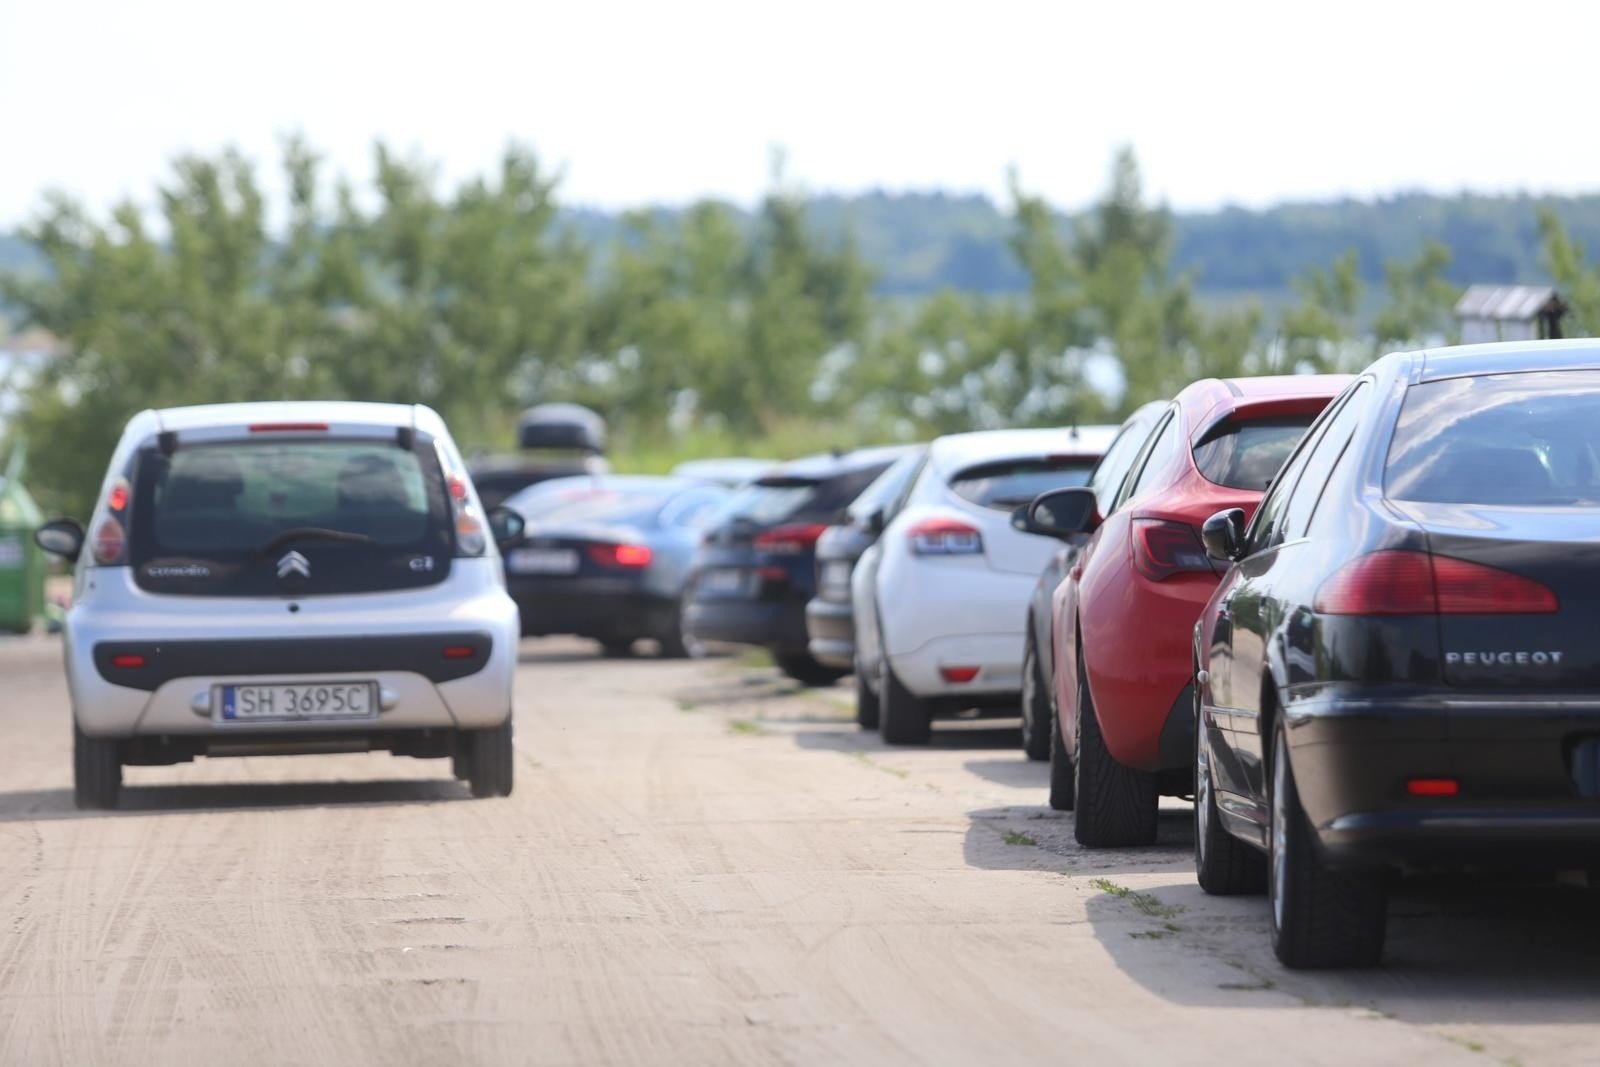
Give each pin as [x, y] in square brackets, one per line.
[287, 578]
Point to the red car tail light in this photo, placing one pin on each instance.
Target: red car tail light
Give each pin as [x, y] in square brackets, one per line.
[791, 540]
[117, 499]
[127, 662]
[958, 674]
[459, 652]
[612, 555]
[1402, 582]
[1162, 549]
[1433, 787]
[945, 537]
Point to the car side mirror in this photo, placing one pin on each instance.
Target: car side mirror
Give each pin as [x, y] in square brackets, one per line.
[1223, 535]
[506, 524]
[875, 522]
[62, 537]
[1060, 513]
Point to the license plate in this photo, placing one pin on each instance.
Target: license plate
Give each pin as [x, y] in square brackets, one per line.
[723, 582]
[296, 700]
[542, 561]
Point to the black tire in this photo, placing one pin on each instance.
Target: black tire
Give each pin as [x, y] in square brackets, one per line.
[678, 642]
[459, 761]
[805, 670]
[1062, 776]
[1115, 805]
[866, 702]
[1037, 713]
[1320, 917]
[96, 771]
[1224, 865]
[616, 649]
[902, 718]
[490, 760]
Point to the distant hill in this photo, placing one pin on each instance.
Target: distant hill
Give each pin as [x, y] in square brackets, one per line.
[918, 243]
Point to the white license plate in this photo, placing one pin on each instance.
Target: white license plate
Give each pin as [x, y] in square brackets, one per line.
[724, 582]
[297, 700]
[542, 561]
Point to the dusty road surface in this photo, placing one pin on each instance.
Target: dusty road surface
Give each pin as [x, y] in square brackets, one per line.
[701, 866]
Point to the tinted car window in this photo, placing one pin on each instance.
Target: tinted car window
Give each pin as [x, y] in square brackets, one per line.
[1160, 451]
[1008, 484]
[1320, 462]
[783, 498]
[1527, 439]
[1247, 455]
[885, 489]
[1266, 525]
[630, 507]
[1115, 464]
[214, 519]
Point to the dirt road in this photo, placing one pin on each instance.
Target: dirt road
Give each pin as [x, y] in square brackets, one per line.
[699, 865]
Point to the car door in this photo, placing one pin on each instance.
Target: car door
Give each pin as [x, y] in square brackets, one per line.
[1260, 596]
[864, 580]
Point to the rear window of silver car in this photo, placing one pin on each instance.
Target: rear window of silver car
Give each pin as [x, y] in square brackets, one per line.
[216, 518]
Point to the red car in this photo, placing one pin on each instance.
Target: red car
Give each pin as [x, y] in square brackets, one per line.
[1124, 617]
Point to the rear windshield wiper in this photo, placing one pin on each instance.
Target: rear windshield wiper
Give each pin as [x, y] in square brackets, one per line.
[315, 533]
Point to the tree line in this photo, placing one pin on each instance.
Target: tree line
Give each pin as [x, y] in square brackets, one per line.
[701, 328]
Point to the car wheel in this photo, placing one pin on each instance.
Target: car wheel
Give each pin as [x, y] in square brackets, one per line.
[616, 649]
[96, 771]
[490, 759]
[805, 670]
[1036, 714]
[867, 709]
[459, 762]
[1224, 865]
[679, 643]
[1115, 805]
[902, 718]
[1062, 776]
[1320, 917]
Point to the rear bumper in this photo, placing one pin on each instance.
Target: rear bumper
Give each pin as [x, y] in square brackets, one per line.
[1520, 798]
[597, 609]
[831, 629]
[776, 624]
[998, 658]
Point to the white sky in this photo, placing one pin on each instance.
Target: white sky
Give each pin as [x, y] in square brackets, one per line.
[668, 100]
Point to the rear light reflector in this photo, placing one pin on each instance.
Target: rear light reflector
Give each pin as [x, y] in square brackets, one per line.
[1402, 582]
[288, 427]
[110, 542]
[958, 674]
[1433, 787]
[127, 662]
[791, 540]
[458, 489]
[459, 652]
[612, 555]
[1162, 549]
[945, 537]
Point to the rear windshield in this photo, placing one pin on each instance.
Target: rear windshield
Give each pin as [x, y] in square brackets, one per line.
[631, 507]
[788, 499]
[1247, 455]
[1512, 439]
[222, 518]
[1009, 484]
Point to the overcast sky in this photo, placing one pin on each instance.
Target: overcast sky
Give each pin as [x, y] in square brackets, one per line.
[669, 100]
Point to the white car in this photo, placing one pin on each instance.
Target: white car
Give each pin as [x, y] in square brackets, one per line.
[287, 578]
[940, 599]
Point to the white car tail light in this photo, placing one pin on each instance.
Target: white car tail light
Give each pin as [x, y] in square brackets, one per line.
[945, 537]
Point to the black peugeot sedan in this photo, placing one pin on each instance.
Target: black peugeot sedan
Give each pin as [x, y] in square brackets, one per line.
[756, 567]
[1401, 666]
[830, 623]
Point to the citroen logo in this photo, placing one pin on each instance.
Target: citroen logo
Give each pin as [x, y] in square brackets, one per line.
[294, 563]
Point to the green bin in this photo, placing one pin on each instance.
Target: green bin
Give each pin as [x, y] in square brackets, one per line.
[22, 563]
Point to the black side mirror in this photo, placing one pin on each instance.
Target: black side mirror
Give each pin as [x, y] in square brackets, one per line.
[1060, 513]
[875, 522]
[1223, 535]
[62, 537]
[506, 524]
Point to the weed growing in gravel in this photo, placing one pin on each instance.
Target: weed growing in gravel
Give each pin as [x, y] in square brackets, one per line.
[1144, 903]
[870, 762]
[686, 705]
[1017, 837]
[745, 726]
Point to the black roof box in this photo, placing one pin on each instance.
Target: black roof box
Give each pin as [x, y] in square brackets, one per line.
[562, 426]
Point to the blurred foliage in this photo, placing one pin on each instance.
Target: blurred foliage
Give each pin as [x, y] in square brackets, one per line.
[699, 331]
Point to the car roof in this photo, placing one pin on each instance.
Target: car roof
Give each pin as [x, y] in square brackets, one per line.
[985, 446]
[342, 412]
[1507, 357]
[831, 464]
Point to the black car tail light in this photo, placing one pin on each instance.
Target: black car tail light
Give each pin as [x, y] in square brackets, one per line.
[1403, 582]
[1162, 549]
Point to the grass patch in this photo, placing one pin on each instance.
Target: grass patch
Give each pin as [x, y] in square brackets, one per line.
[752, 658]
[1150, 935]
[1017, 837]
[1246, 987]
[1144, 903]
[686, 705]
[1465, 1042]
[746, 727]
